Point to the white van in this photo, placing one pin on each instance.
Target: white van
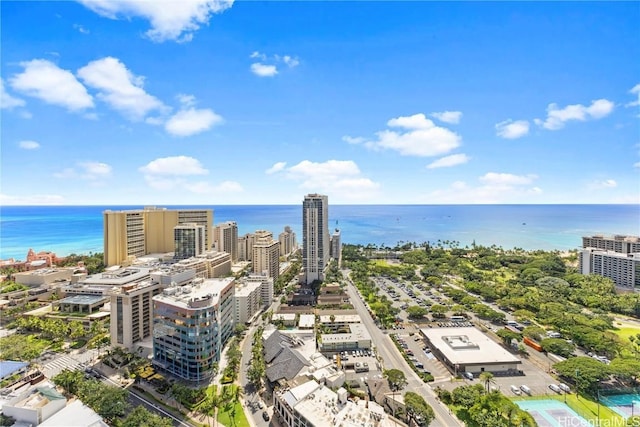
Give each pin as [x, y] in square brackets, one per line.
[555, 388]
[516, 390]
[525, 389]
[564, 387]
[468, 375]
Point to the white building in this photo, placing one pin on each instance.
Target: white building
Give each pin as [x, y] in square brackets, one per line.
[35, 405]
[622, 268]
[357, 338]
[306, 321]
[315, 237]
[311, 404]
[247, 301]
[617, 243]
[469, 350]
[266, 287]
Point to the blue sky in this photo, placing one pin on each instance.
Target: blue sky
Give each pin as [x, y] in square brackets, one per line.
[205, 102]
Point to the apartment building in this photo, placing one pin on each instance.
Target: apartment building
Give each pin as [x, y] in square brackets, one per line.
[336, 247]
[134, 233]
[287, 241]
[622, 268]
[226, 239]
[189, 240]
[266, 287]
[191, 325]
[315, 237]
[209, 265]
[266, 255]
[247, 301]
[245, 247]
[618, 243]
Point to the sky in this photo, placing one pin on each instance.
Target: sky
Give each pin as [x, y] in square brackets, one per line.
[204, 102]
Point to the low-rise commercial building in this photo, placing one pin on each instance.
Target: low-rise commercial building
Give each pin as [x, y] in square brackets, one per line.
[43, 276]
[34, 405]
[357, 338]
[469, 350]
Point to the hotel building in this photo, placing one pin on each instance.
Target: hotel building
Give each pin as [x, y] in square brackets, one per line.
[336, 247]
[266, 255]
[191, 325]
[315, 237]
[135, 233]
[226, 239]
[287, 241]
[616, 257]
[245, 247]
[189, 240]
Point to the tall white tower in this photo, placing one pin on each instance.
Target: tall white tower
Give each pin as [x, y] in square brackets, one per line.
[315, 236]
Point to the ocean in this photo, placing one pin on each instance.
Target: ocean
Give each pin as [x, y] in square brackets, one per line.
[78, 229]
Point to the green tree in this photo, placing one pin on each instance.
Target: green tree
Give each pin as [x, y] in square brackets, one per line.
[558, 346]
[141, 417]
[438, 311]
[487, 379]
[416, 312]
[584, 372]
[508, 336]
[418, 409]
[396, 379]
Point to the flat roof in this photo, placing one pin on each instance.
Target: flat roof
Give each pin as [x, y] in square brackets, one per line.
[246, 288]
[468, 346]
[340, 318]
[121, 276]
[307, 320]
[82, 299]
[75, 414]
[284, 316]
[183, 294]
[358, 333]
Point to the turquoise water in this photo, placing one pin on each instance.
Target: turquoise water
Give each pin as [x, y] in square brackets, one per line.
[622, 403]
[69, 229]
[553, 413]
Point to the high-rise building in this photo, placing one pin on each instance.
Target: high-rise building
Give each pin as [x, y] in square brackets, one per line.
[266, 287]
[617, 243]
[191, 325]
[245, 247]
[287, 241]
[226, 239]
[315, 237]
[189, 240]
[266, 255]
[247, 301]
[336, 247]
[134, 233]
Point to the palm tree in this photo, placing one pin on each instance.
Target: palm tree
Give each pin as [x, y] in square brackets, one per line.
[487, 379]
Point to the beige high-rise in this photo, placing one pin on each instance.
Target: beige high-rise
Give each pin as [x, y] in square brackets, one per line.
[134, 233]
[266, 255]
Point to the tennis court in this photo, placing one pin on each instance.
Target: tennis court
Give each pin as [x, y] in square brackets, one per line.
[552, 413]
[623, 404]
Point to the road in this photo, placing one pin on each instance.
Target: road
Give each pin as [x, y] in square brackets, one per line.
[391, 358]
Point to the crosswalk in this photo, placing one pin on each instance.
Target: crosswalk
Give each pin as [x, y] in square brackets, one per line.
[59, 364]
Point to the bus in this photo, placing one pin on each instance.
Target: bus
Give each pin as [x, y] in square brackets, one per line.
[458, 318]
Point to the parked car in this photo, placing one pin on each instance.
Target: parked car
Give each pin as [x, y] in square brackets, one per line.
[468, 375]
[265, 415]
[525, 389]
[555, 388]
[516, 390]
[564, 387]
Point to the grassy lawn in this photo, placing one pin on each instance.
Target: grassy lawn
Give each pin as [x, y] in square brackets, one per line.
[624, 331]
[22, 347]
[587, 409]
[240, 420]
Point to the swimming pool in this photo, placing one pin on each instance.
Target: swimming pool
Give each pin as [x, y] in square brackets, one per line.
[623, 404]
[552, 413]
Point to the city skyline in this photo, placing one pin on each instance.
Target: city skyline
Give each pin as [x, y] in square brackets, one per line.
[214, 103]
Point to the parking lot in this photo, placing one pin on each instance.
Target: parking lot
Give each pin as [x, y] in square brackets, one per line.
[358, 365]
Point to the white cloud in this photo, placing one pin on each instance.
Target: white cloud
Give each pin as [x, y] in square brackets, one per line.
[493, 188]
[91, 171]
[29, 145]
[341, 179]
[277, 167]
[510, 129]
[352, 140]
[556, 117]
[30, 200]
[192, 121]
[44, 80]
[120, 88]
[174, 166]
[7, 101]
[81, 29]
[169, 19]
[259, 55]
[506, 179]
[186, 100]
[602, 184]
[290, 61]
[263, 70]
[452, 117]
[634, 91]
[423, 138]
[448, 161]
[636, 165]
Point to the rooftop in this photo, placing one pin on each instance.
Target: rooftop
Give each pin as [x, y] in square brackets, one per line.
[207, 291]
[358, 333]
[468, 346]
[82, 299]
[75, 414]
